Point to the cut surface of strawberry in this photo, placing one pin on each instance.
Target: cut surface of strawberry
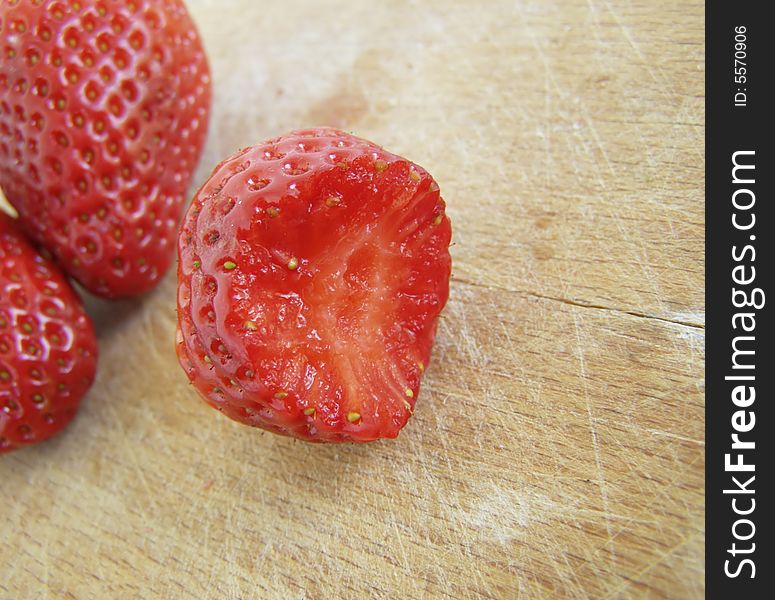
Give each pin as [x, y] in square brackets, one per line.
[313, 268]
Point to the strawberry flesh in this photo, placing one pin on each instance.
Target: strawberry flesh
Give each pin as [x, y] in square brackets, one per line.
[313, 269]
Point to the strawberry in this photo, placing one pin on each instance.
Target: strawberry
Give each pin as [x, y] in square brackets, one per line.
[313, 268]
[104, 107]
[48, 352]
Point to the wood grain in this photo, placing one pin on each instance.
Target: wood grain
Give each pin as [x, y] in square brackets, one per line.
[558, 445]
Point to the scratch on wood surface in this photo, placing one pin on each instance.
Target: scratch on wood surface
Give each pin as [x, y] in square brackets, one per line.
[593, 430]
[133, 456]
[545, 132]
[683, 438]
[579, 589]
[601, 147]
[613, 211]
[663, 81]
[637, 577]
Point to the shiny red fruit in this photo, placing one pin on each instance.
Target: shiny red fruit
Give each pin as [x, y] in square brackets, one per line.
[104, 107]
[48, 352]
[313, 268]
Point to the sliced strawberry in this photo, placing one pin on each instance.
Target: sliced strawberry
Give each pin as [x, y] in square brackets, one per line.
[312, 270]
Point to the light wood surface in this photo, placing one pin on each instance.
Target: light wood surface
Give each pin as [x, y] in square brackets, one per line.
[557, 448]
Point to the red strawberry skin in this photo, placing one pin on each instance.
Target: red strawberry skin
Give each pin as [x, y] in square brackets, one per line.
[104, 107]
[313, 268]
[48, 352]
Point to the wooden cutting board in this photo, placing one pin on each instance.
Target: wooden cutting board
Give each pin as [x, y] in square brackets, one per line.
[558, 444]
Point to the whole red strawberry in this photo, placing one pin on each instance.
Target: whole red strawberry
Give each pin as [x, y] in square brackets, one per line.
[48, 352]
[104, 108]
[313, 268]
